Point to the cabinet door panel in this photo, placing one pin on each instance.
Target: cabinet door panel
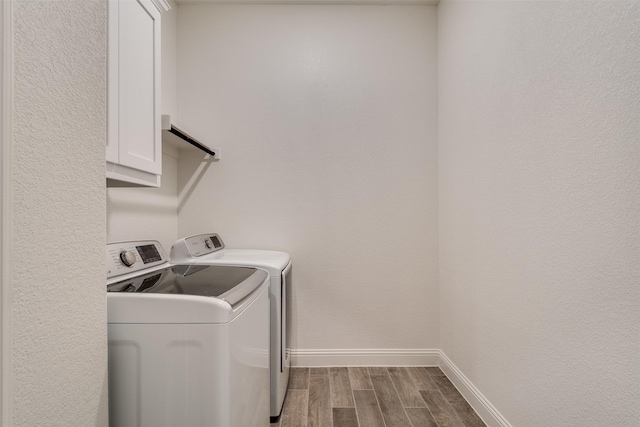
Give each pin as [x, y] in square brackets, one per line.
[138, 85]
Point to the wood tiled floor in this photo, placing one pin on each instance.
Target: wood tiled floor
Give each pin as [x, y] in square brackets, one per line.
[374, 397]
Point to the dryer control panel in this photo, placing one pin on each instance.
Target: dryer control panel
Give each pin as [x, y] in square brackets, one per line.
[195, 246]
[129, 257]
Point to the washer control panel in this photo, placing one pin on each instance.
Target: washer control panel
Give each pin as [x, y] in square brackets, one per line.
[195, 246]
[128, 257]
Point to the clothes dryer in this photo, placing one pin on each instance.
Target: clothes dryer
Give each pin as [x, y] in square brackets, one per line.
[209, 249]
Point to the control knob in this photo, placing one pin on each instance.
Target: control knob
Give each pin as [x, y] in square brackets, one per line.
[128, 258]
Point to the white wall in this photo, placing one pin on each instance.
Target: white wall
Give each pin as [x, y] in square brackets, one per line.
[326, 121]
[146, 213]
[539, 185]
[59, 321]
[151, 213]
[5, 318]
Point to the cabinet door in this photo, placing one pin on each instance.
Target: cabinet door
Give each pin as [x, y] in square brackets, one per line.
[134, 85]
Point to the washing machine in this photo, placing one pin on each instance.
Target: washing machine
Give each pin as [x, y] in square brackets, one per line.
[209, 249]
[188, 344]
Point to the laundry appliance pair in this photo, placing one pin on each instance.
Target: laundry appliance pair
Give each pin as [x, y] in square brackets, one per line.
[198, 339]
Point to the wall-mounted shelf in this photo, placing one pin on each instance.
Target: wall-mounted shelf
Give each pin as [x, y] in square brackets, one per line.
[182, 140]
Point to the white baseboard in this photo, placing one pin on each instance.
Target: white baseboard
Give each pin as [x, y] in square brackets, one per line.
[489, 414]
[365, 357]
[404, 357]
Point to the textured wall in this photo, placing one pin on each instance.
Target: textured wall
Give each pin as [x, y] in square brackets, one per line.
[539, 184]
[326, 120]
[59, 302]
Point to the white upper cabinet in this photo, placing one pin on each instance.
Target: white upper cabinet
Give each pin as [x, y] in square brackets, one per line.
[134, 140]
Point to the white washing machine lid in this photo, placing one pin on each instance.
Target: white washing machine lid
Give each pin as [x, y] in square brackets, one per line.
[204, 249]
[184, 294]
[271, 261]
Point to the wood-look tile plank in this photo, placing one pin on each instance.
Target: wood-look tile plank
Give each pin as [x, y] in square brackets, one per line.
[390, 404]
[299, 379]
[341, 395]
[319, 371]
[434, 371]
[360, 379]
[466, 413]
[421, 378]
[369, 414]
[294, 412]
[406, 388]
[319, 414]
[420, 417]
[442, 412]
[449, 391]
[377, 370]
[345, 417]
[374, 395]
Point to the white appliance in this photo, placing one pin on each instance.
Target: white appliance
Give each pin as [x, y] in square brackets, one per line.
[188, 345]
[208, 249]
